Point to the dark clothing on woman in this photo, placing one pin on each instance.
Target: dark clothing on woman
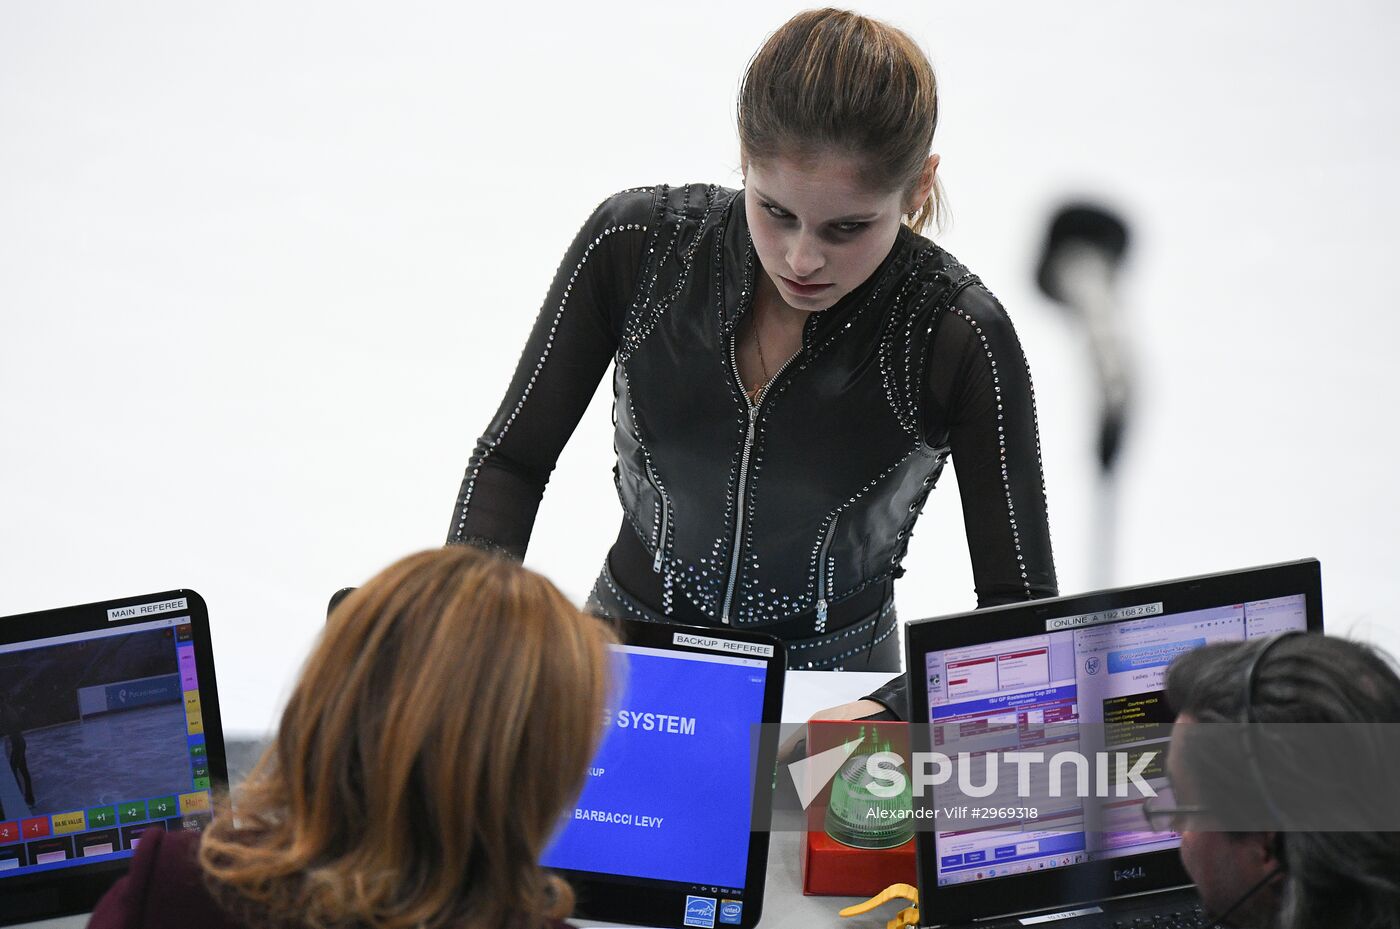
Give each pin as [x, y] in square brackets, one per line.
[165, 889]
[791, 515]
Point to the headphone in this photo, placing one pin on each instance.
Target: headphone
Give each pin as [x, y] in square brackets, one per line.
[1251, 753]
[1252, 756]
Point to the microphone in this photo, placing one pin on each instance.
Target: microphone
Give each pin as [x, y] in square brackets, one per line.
[1078, 269]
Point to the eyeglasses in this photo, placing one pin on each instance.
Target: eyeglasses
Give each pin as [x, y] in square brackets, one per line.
[1164, 814]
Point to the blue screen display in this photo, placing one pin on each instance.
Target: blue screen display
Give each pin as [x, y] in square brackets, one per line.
[669, 793]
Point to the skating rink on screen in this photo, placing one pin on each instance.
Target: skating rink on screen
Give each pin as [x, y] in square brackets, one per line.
[676, 800]
[106, 759]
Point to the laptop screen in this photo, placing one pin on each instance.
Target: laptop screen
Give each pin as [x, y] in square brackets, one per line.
[109, 729]
[1073, 688]
[1053, 692]
[667, 809]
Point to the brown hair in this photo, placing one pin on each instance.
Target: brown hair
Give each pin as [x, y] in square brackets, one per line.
[439, 728]
[832, 79]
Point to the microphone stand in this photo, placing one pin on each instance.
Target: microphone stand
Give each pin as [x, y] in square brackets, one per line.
[1080, 261]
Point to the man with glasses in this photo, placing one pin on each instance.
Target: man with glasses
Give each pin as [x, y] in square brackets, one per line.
[1278, 830]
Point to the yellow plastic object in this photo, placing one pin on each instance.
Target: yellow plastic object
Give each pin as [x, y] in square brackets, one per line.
[909, 916]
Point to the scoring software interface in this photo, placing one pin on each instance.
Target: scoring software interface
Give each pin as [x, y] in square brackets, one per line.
[1092, 685]
[103, 739]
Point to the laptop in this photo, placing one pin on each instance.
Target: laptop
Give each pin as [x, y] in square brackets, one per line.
[671, 827]
[109, 717]
[1084, 674]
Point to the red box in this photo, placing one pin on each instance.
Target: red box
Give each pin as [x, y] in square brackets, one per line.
[835, 870]
[36, 828]
[830, 868]
[9, 832]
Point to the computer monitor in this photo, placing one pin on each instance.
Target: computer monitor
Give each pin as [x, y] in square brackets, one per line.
[1081, 674]
[109, 717]
[670, 828]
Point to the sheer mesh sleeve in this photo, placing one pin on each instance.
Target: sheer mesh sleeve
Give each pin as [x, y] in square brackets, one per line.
[979, 401]
[573, 340]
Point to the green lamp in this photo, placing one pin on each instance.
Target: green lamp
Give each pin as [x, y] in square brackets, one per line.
[859, 818]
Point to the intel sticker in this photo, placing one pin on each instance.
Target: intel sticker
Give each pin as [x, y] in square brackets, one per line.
[700, 911]
[731, 912]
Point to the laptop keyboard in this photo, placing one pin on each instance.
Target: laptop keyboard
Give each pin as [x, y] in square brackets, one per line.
[1189, 917]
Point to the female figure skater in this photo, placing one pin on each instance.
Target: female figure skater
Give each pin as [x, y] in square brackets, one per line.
[384, 800]
[793, 365]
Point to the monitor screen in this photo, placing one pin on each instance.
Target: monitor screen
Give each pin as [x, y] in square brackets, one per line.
[668, 801]
[104, 738]
[1090, 683]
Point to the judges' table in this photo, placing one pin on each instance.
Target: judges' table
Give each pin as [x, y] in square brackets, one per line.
[784, 906]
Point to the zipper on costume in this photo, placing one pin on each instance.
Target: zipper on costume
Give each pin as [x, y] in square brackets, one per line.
[665, 518]
[753, 408]
[824, 578]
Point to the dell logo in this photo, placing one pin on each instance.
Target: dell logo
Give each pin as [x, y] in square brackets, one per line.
[1130, 874]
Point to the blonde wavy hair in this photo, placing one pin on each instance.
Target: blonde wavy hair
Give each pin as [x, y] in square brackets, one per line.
[441, 725]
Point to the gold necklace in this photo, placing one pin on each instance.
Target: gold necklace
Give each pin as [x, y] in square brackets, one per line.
[762, 362]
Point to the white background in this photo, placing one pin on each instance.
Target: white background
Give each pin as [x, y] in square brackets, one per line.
[265, 269]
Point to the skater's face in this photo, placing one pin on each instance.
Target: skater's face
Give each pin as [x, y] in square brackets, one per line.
[818, 227]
